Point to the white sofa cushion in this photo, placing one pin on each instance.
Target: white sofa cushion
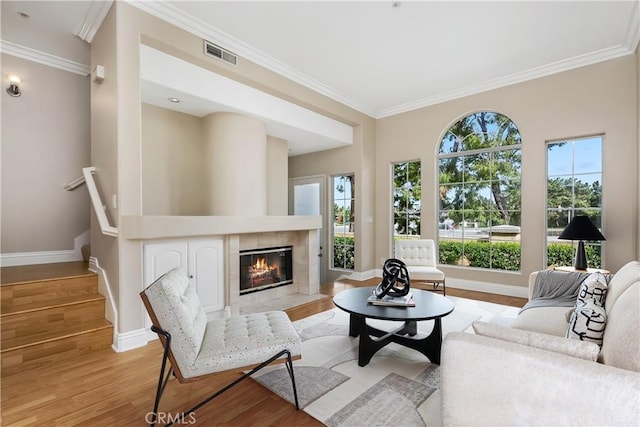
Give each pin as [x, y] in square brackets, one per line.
[583, 350]
[623, 279]
[490, 382]
[424, 273]
[621, 343]
[545, 320]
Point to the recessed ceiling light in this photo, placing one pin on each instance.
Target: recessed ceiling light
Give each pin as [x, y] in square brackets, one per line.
[174, 100]
[23, 14]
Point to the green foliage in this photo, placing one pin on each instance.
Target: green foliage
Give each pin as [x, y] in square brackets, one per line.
[407, 197]
[481, 254]
[506, 255]
[482, 187]
[344, 252]
[563, 254]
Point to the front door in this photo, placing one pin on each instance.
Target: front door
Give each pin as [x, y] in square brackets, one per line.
[307, 197]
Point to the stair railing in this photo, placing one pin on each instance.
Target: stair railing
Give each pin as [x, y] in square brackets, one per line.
[75, 183]
[96, 202]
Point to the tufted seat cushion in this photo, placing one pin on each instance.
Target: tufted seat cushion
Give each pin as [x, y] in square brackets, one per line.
[242, 341]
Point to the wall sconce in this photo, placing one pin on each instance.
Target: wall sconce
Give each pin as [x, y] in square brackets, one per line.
[14, 89]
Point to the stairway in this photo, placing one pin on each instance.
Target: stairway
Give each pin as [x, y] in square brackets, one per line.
[48, 313]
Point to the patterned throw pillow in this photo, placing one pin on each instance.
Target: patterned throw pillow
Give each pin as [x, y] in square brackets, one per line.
[589, 318]
[588, 322]
[594, 287]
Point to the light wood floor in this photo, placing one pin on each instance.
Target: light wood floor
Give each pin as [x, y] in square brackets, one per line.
[105, 388]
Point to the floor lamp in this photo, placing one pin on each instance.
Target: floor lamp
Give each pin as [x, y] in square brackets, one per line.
[581, 228]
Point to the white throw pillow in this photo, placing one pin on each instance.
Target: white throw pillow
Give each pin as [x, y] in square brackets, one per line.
[594, 287]
[588, 322]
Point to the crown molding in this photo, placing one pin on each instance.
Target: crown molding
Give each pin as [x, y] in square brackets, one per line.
[193, 25]
[523, 76]
[633, 30]
[177, 17]
[24, 52]
[92, 21]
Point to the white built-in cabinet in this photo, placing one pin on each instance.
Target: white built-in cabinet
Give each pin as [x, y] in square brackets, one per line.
[201, 258]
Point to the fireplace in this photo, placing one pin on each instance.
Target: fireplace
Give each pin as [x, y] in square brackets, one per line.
[265, 268]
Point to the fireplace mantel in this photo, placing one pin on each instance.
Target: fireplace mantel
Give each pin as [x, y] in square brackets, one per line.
[143, 227]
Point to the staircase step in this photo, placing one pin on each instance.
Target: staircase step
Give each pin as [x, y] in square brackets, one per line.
[48, 313]
[51, 319]
[18, 297]
[79, 340]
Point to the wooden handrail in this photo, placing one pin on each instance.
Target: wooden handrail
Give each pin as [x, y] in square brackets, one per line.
[96, 202]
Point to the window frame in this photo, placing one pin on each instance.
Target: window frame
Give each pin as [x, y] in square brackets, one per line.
[513, 183]
[572, 209]
[418, 212]
[351, 199]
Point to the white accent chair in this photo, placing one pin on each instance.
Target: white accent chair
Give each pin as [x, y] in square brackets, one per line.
[421, 259]
[196, 348]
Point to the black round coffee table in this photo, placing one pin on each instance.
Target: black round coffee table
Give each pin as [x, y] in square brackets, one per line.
[429, 306]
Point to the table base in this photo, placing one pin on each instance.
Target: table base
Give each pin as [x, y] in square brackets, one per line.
[429, 346]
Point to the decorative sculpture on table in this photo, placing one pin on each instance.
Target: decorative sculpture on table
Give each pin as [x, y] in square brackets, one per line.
[395, 279]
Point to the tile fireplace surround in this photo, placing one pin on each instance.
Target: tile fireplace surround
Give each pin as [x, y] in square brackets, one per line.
[240, 233]
[305, 265]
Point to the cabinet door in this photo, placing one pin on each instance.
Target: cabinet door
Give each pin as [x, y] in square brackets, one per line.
[162, 257]
[205, 265]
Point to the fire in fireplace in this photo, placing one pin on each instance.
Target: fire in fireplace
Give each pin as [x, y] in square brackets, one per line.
[265, 268]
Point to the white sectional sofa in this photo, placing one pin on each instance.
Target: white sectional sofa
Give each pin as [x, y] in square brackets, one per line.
[532, 375]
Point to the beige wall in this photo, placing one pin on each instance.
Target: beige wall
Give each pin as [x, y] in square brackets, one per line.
[104, 148]
[277, 176]
[173, 164]
[598, 99]
[45, 145]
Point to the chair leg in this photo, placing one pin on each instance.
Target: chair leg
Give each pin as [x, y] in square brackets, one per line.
[289, 364]
[162, 380]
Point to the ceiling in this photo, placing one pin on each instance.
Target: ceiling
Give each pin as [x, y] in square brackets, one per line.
[379, 57]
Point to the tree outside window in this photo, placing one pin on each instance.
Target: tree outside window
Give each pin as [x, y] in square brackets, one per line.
[574, 187]
[407, 196]
[480, 193]
[343, 255]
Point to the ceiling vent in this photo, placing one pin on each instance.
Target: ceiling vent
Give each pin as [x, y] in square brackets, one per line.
[216, 51]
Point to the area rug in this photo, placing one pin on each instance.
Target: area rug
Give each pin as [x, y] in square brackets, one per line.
[399, 387]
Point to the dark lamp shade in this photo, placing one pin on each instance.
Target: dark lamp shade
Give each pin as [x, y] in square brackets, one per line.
[581, 228]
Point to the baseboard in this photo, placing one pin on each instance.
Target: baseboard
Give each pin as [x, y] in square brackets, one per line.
[488, 287]
[130, 340]
[47, 257]
[104, 288]
[361, 275]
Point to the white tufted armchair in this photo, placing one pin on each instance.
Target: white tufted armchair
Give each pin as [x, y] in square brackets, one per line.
[421, 260]
[196, 348]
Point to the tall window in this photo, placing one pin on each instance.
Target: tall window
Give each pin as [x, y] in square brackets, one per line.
[574, 187]
[479, 190]
[407, 196]
[343, 256]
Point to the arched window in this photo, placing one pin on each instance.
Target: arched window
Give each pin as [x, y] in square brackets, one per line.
[479, 190]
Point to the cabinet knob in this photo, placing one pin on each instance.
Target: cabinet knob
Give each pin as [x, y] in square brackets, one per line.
[191, 276]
